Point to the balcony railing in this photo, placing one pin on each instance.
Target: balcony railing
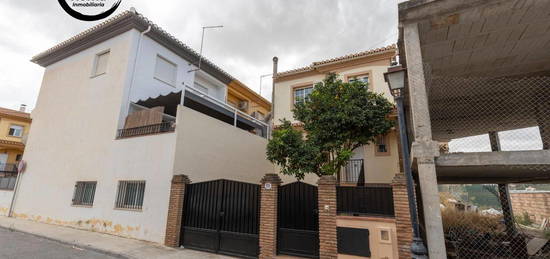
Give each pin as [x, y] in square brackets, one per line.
[352, 172]
[147, 130]
[8, 168]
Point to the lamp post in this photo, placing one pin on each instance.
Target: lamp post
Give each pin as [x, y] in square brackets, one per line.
[395, 77]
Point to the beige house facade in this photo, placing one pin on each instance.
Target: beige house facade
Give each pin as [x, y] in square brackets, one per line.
[371, 166]
[380, 159]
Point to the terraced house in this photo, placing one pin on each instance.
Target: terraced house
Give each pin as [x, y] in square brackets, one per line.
[14, 128]
[367, 223]
[131, 110]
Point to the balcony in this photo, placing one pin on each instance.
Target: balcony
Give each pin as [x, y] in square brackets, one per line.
[163, 127]
[6, 168]
[352, 173]
[158, 115]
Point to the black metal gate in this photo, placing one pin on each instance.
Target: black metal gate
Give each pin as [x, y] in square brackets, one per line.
[298, 220]
[222, 216]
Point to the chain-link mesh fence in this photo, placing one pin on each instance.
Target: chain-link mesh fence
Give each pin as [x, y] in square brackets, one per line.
[464, 110]
[477, 226]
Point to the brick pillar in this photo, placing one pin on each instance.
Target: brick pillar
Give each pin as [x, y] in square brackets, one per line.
[402, 215]
[175, 210]
[328, 248]
[268, 215]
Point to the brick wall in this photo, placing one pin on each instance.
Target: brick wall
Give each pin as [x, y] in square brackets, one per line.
[535, 203]
[402, 216]
[327, 217]
[268, 216]
[175, 210]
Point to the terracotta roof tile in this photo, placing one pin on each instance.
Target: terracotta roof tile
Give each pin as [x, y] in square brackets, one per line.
[14, 113]
[119, 17]
[344, 58]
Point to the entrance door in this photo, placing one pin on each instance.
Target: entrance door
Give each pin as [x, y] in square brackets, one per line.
[298, 220]
[222, 216]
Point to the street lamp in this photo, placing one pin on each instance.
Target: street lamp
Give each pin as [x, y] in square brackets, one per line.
[395, 77]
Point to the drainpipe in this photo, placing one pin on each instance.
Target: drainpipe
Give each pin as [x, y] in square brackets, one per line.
[134, 66]
[275, 63]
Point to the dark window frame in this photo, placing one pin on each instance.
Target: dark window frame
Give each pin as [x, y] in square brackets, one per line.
[84, 193]
[130, 195]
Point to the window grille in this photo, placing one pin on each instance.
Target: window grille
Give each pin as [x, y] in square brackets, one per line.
[130, 195]
[84, 193]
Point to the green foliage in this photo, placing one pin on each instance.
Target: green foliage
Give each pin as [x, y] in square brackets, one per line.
[484, 196]
[337, 118]
[524, 219]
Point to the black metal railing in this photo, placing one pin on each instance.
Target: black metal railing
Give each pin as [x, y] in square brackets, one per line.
[365, 200]
[147, 130]
[352, 172]
[7, 180]
[8, 168]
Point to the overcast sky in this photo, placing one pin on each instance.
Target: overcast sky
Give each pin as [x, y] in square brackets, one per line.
[297, 31]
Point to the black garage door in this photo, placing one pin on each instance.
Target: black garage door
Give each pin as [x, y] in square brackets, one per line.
[222, 216]
[298, 220]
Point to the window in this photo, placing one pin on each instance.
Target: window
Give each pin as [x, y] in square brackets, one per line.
[101, 61]
[382, 145]
[165, 71]
[84, 193]
[302, 94]
[362, 78]
[7, 182]
[130, 195]
[201, 88]
[18, 157]
[16, 131]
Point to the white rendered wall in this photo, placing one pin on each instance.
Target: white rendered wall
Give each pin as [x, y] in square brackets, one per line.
[145, 84]
[209, 149]
[5, 200]
[73, 139]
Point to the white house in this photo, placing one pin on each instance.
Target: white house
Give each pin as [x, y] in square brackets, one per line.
[110, 130]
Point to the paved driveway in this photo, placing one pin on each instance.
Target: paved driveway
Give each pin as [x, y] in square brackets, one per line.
[18, 245]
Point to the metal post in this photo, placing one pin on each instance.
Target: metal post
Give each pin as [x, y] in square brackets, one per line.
[418, 249]
[275, 64]
[235, 118]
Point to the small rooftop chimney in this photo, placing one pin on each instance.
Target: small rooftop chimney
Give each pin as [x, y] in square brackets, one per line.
[22, 108]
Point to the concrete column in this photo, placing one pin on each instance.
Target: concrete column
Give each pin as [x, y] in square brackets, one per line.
[175, 210]
[268, 216]
[424, 149]
[328, 247]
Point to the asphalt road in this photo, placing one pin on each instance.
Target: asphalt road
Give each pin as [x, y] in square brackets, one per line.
[17, 245]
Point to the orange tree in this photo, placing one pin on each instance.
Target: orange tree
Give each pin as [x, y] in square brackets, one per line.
[337, 118]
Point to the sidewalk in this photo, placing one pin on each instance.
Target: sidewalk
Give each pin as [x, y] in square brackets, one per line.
[117, 246]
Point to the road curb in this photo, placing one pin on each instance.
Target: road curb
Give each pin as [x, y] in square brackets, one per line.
[75, 244]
